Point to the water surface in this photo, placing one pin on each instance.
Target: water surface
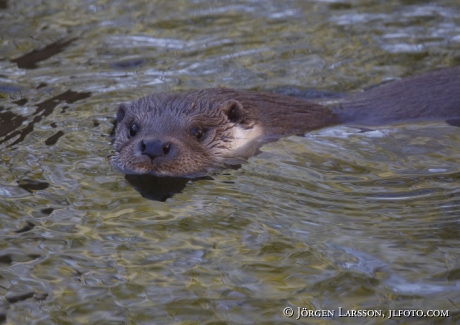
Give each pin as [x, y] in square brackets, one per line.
[338, 218]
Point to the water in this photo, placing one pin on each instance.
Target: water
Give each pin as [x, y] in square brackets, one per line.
[338, 218]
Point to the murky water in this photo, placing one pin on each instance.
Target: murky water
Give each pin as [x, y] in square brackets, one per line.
[339, 218]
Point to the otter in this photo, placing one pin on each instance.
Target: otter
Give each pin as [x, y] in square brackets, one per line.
[190, 134]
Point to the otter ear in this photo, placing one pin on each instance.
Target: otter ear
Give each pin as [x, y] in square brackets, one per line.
[234, 110]
[122, 109]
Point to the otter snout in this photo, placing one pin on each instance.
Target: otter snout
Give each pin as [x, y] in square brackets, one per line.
[154, 148]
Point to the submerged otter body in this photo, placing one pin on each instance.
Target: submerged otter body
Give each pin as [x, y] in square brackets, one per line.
[189, 134]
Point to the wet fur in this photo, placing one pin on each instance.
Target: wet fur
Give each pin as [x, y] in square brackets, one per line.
[235, 123]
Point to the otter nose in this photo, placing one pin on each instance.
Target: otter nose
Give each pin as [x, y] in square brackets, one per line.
[155, 148]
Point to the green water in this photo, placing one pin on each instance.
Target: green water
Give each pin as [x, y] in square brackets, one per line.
[335, 219]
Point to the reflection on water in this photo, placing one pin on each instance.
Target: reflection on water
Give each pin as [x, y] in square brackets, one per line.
[10, 121]
[343, 217]
[157, 188]
[30, 60]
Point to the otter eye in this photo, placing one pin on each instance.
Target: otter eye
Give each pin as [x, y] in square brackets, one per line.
[133, 130]
[197, 132]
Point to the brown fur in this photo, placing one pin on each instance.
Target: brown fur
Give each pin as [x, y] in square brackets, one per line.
[189, 134]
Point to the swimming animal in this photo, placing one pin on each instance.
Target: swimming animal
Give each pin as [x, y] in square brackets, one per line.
[189, 134]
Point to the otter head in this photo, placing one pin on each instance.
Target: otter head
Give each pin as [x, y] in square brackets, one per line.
[182, 134]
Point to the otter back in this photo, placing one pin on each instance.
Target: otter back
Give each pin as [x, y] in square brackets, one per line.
[429, 96]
